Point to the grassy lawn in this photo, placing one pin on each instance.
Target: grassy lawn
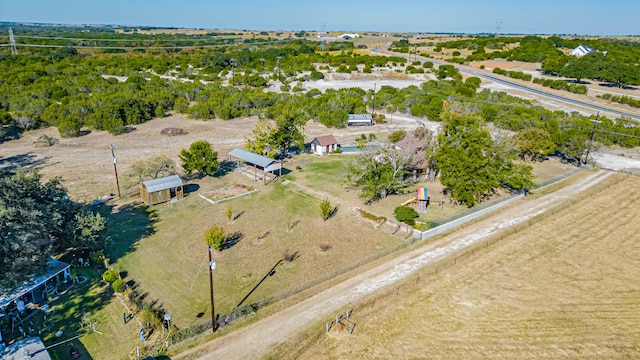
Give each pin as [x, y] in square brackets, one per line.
[161, 252]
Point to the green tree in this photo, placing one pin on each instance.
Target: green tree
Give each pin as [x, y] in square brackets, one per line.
[378, 173]
[37, 221]
[473, 167]
[534, 144]
[153, 168]
[406, 214]
[215, 237]
[200, 157]
[396, 136]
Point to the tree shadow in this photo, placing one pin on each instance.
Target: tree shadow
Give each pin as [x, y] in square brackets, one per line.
[27, 160]
[238, 215]
[225, 167]
[581, 82]
[190, 188]
[126, 225]
[231, 240]
[333, 212]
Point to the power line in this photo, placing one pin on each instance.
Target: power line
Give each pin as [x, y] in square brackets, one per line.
[112, 39]
[142, 47]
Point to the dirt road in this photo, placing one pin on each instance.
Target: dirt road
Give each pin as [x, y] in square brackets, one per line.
[256, 339]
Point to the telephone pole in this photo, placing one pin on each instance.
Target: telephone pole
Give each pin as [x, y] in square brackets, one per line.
[373, 105]
[212, 266]
[115, 168]
[593, 132]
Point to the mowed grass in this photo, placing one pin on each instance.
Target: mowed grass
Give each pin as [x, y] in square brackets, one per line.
[565, 287]
[171, 264]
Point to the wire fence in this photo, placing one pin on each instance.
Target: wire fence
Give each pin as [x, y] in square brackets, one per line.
[237, 314]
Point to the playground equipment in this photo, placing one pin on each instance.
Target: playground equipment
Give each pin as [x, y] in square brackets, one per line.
[410, 201]
[422, 198]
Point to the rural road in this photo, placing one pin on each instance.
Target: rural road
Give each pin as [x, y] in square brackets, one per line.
[516, 85]
[255, 340]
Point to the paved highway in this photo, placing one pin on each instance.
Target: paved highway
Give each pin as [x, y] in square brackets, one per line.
[517, 85]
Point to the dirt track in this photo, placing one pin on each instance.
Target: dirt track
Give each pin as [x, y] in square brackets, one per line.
[256, 339]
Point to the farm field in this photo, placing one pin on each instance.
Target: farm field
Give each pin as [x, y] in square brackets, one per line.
[565, 287]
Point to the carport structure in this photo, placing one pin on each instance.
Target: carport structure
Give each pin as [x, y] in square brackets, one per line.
[267, 165]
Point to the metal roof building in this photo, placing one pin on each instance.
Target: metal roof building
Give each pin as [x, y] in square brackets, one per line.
[360, 120]
[268, 165]
[161, 189]
[55, 268]
[29, 348]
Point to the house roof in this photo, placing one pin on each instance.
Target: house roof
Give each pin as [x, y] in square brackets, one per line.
[163, 183]
[29, 348]
[324, 140]
[583, 49]
[252, 158]
[360, 117]
[55, 267]
[410, 143]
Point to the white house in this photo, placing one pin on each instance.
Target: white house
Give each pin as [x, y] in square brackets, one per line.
[323, 145]
[582, 50]
[349, 36]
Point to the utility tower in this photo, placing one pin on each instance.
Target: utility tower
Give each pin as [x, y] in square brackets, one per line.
[12, 40]
[498, 28]
[323, 37]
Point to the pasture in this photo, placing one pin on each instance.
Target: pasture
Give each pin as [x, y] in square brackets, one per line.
[564, 286]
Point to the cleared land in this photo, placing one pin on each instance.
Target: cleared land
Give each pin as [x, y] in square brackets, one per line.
[564, 288]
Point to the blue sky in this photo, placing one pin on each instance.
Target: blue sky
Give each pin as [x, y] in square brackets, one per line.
[615, 17]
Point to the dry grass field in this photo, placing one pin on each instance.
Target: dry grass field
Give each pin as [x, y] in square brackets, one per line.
[566, 287]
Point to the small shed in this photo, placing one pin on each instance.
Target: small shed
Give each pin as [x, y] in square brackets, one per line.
[160, 190]
[360, 120]
[323, 145]
[267, 165]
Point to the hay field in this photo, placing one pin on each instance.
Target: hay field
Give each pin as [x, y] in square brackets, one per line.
[566, 287]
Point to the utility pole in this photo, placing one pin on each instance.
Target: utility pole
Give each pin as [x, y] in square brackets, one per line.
[115, 168]
[212, 266]
[593, 132]
[373, 106]
[278, 61]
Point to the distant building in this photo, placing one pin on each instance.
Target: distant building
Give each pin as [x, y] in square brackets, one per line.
[323, 145]
[582, 50]
[349, 36]
[360, 120]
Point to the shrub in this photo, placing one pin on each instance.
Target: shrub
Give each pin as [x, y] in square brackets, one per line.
[285, 88]
[338, 151]
[325, 209]
[118, 285]
[406, 214]
[397, 135]
[215, 237]
[324, 246]
[289, 256]
[110, 276]
[45, 141]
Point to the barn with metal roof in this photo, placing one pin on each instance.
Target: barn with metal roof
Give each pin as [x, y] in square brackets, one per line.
[160, 190]
[267, 165]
